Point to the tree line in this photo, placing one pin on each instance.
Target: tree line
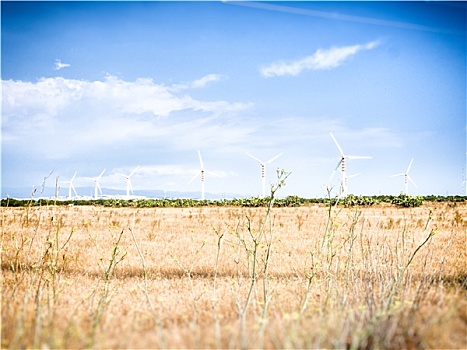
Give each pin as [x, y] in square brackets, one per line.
[401, 200]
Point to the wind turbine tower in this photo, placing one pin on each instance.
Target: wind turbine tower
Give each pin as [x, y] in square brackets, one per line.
[263, 170]
[129, 187]
[202, 175]
[71, 187]
[406, 178]
[341, 163]
[96, 183]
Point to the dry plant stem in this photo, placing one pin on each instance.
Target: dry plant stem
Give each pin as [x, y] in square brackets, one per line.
[387, 318]
[404, 270]
[214, 299]
[47, 274]
[309, 279]
[106, 295]
[189, 273]
[329, 221]
[145, 289]
[328, 238]
[420, 293]
[350, 266]
[282, 175]
[115, 259]
[21, 319]
[220, 236]
[267, 292]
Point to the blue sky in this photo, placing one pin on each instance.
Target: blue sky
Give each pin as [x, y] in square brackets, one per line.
[116, 85]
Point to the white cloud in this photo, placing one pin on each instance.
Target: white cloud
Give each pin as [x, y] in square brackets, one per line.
[60, 117]
[59, 65]
[320, 60]
[52, 95]
[198, 83]
[205, 80]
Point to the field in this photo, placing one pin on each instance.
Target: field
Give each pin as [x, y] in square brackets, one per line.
[313, 276]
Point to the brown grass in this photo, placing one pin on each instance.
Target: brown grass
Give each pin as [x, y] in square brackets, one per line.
[338, 281]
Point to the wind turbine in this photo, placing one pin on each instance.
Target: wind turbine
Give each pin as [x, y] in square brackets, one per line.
[128, 181]
[202, 175]
[263, 170]
[342, 164]
[71, 187]
[96, 183]
[406, 178]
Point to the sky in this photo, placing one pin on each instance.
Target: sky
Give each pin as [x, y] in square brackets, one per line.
[88, 86]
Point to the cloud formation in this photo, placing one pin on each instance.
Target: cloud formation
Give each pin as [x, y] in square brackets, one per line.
[322, 59]
[51, 95]
[196, 84]
[59, 65]
[205, 80]
[74, 116]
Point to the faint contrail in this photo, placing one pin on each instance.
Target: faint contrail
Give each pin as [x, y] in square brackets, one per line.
[342, 17]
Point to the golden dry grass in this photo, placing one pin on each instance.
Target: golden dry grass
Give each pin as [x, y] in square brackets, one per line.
[329, 281]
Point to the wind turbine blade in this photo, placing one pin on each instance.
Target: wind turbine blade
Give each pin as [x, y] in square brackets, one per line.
[200, 160]
[134, 171]
[103, 171]
[125, 176]
[413, 183]
[338, 165]
[99, 187]
[273, 159]
[337, 144]
[129, 185]
[397, 175]
[353, 175]
[258, 160]
[89, 178]
[74, 190]
[408, 169]
[73, 176]
[194, 177]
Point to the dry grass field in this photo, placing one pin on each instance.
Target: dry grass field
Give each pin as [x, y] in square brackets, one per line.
[224, 277]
